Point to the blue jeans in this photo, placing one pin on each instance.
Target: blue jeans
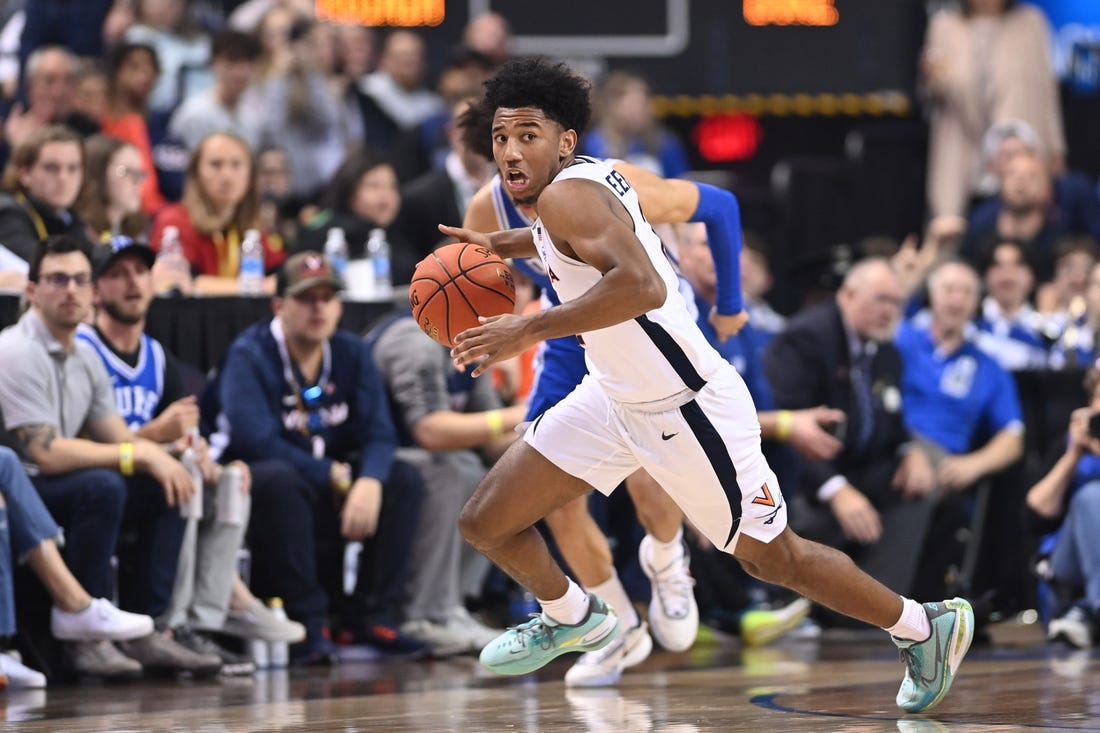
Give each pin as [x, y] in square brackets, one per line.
[25, 523]
[1076, 556]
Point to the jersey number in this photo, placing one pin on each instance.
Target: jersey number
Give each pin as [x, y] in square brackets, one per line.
[617, 182]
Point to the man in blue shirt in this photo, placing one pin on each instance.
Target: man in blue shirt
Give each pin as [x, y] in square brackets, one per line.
[304, 405]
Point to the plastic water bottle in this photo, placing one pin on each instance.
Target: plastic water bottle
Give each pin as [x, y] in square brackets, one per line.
[278, 652]
[336, 250]
[378, 252]
[258, 650]
[171, 254]
[352, 550]
[192, 508]
[251, 276]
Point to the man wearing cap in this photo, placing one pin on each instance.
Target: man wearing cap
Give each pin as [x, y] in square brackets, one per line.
[303, 404]
[95, 476]
[151, 398]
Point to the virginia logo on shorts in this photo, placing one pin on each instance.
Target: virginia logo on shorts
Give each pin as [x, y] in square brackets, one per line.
[765, 498]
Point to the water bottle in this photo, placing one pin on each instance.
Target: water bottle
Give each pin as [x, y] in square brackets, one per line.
[378, 252]
[171, 256]
[192, 508]
[278, 652]
[352, 550]
[258, 650]
[336, 250]
[251, 276]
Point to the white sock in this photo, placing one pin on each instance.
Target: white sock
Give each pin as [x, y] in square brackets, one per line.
[913, 624]
[663, 554]
[613, 592]
[570, 609]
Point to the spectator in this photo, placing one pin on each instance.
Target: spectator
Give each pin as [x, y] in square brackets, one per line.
[448, 426]
[41, 184]
[627, 129]
[28, 532]
[1079, 345]
[53, 389]
[443, 194]
[354, 61]
[1008, 328]
[220, 204]
[985, 64]
[247, 16]
[364, 196]
[305, 406]
[110, 201]
[1062, 511]
[231, 105]
[90, 98]
[51, 74]
[279, 208]
[489, 35]
[1063, 299]
[756, 281]
[397, 90]
[132, 72]
[182, 49]
[871, 499]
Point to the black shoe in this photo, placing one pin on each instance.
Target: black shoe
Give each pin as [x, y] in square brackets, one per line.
[233, 664]
[316, 651]
[391, 641]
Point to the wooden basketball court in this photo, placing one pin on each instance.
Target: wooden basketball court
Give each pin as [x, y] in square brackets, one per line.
[842, 682]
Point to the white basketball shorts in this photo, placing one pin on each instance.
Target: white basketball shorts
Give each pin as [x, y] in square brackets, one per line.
[703, 449]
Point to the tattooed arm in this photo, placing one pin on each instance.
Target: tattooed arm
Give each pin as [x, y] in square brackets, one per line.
[41, 444]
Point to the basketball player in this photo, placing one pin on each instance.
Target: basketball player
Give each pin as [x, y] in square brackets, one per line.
[673, 613]
[657, 397]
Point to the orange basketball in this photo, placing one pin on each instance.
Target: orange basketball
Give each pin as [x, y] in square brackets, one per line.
[454, 285]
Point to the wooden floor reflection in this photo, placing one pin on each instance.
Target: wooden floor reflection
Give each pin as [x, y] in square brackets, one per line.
[844, 683]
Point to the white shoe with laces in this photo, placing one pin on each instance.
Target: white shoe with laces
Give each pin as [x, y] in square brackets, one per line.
[604, 667]
[99, 621]
[20, 676]
[673, 613]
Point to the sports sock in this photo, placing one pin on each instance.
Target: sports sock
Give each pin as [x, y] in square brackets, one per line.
[913, 624]
[663, 554]
[613, 592]
[570, 609]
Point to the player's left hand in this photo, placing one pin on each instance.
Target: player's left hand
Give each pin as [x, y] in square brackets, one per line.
[726, 326]
[496, 339]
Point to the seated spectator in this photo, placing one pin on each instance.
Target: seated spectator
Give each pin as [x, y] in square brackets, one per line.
[51, 75]
[29, 535]
[1079, 344]
[1027, 212]
[278, 206]
[395, 99]
[305, 406]
[1008, 328]
[90, 95]
[1062, 300]
[627, 129]
[756, 281]
[110, 201]
[169, 28]
[92, 472]
[1062, 511]
[232, 104]
[132, 71]
[449, 425]
[362, 197]
[489, 35]
[208, 597]
[872, 498]
[220, 204]
[958, 400]
[41, 184]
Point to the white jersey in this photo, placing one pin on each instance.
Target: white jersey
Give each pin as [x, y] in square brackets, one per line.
[656, 356]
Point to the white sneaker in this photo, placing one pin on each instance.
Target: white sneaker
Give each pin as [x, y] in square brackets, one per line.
[463, 626]
[99, 621]
[605, 666]
[441, 641]
[1073, 628]
[673, 613]
[20, 676]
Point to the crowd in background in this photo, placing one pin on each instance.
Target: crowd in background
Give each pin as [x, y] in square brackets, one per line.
[202, 133]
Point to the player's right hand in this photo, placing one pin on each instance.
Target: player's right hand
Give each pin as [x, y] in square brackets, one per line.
[467, 235]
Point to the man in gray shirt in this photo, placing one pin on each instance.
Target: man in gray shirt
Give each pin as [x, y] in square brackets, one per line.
[92, 472]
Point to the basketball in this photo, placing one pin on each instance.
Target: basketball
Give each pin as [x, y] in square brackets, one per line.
[454, 285]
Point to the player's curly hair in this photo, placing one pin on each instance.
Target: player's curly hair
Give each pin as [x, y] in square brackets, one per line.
[552, 88]
[476, 126]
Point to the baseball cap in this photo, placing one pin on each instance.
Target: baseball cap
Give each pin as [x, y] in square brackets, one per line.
[305, 270]
[117, 247]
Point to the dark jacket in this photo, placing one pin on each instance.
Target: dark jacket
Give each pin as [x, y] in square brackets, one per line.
[23, 221]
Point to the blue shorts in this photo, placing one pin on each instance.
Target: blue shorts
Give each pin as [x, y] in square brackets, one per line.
[559, 368]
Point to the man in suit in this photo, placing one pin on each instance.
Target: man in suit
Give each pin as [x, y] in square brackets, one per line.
[872, 499]
[442, 194]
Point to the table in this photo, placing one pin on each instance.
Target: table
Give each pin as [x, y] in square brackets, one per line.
[199, 330]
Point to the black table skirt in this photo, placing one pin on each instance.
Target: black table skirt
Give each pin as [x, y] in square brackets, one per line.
[199, 330]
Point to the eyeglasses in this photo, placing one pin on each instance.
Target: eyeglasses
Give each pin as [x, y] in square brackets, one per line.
[136, 175]
[55, 169]
[61, 280]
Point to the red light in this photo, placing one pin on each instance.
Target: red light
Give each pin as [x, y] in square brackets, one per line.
[727, 137]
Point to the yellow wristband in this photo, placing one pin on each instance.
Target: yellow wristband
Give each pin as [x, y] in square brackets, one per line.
[495, 420]
[126, 459]
[784, 422]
